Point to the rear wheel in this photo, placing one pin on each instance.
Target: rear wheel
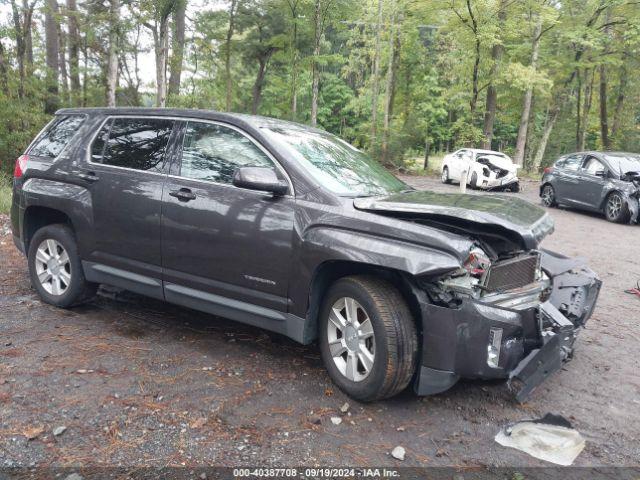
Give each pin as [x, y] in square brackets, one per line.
[445, 175]
[616, 209]
[55, 267]
[548, 196]
[368, 338]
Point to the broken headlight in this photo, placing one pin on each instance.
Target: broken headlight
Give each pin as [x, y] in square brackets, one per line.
[477, 263]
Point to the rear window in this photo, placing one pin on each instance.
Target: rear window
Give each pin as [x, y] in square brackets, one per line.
[135, 143]
[53, 140]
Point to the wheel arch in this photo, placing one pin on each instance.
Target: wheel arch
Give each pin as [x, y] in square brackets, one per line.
[37, 216]
[327, 273]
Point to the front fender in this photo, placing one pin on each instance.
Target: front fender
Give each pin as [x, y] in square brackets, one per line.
[336, 244]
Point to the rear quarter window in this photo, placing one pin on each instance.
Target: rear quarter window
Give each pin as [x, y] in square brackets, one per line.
[57, 136]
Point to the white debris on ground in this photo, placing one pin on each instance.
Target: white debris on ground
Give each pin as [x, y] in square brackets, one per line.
[336, 420]
[545, 439]
[398, 453]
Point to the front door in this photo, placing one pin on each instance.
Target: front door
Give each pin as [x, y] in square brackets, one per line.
[568, 178]
[224, 246]
[592, 182]
[126, 174]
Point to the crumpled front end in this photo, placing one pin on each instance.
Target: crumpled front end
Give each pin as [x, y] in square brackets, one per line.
[495, 177]
[521, 333]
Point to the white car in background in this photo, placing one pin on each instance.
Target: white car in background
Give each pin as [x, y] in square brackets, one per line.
[486, 169]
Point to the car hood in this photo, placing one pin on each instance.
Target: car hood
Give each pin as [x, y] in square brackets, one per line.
[499, 162]
[488, 213]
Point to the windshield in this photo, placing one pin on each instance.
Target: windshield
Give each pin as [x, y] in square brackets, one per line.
[624, 163]
[336, 165]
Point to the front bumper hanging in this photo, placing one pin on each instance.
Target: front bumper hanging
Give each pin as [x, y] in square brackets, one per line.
[524, 346]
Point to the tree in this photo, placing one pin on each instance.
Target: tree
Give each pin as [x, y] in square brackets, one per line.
[233, 8]
[74, 50]
[112, 53]
[52, 99]
[177, 48]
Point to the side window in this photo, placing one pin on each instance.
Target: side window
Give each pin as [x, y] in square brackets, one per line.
[136, 143]
[593, 165]
[57, 136]
[573, 162]
[213, 152]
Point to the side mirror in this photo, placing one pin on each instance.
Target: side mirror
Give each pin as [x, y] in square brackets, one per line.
[263, 179]
[600, 173]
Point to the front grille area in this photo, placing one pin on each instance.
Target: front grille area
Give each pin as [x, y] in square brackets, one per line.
[513, 273]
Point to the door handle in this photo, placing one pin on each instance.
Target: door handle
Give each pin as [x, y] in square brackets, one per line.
[89, 177]
[184, 194]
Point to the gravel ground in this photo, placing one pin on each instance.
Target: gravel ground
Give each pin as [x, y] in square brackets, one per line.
[140, 383]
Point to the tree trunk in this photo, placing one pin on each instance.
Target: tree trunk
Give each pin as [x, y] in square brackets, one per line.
[586, 109]
[394, 45]
[521, 140]
[492, 93]
[549, 123]
[112, 53]
[62, 64]
[263, 61]
[617, 114]
[293, 6]
[52, 100]
[4, 84]
[20, 48]
[28, 36]
[161, 42]
[227, 54]
[375, 87]
[177, 48]
[604, 122]
[74, 50]
[315, 83]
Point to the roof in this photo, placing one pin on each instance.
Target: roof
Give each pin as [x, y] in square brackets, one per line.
[255, 121]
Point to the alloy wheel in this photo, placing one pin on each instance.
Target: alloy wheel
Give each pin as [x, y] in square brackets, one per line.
[53, 267]
[547, 195]
[351, 339]
[445, 175]
[614, 206]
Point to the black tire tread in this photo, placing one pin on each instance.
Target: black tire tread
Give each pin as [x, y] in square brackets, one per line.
[84, 290]
[400, 332]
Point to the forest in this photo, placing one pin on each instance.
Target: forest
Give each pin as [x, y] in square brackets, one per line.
[401, 79]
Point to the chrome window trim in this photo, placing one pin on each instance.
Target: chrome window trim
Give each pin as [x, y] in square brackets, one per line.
[276, 163]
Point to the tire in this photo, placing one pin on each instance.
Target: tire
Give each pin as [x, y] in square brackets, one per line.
[445, 175]
[389, 335]
[548, 196]
[616, 209]
[67, 286]
[473, 183]
[515, 188]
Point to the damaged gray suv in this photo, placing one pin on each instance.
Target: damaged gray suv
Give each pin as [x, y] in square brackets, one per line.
[293, 230]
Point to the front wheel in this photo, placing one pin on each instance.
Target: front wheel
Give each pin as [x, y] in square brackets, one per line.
[445, 175]
[55, 267]
[616, 208]
[368, 338]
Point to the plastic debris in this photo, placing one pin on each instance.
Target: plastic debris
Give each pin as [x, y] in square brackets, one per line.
[398, 453]
[550, 438]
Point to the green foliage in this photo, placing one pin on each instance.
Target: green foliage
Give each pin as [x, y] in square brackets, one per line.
[445, 50]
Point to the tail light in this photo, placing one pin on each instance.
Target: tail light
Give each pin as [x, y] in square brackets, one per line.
[547, 170]
[21, 166]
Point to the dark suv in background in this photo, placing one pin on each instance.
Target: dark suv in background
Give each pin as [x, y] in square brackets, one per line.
[291, 229]
[606, 182]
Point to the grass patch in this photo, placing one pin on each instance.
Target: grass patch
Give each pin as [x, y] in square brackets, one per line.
[5, 194]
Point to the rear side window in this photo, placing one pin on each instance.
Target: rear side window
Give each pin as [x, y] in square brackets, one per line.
[136, 143]
[57, 136]
[572, 162]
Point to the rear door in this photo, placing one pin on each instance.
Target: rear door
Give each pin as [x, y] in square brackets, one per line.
[125, 175]
[224, 249]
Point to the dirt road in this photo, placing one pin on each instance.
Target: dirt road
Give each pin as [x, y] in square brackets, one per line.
[137, 382]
